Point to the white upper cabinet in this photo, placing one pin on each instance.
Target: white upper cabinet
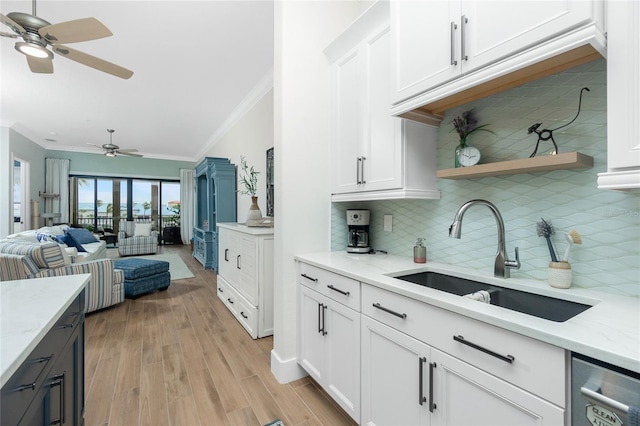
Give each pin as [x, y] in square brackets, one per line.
[623, 97]
[437, 43]
[374, 155]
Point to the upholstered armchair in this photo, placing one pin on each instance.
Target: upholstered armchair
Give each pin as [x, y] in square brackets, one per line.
[135, 238]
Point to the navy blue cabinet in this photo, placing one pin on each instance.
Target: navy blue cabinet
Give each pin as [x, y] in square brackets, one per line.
[215, 182]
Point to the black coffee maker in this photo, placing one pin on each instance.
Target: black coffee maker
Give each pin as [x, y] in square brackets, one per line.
[358, 237]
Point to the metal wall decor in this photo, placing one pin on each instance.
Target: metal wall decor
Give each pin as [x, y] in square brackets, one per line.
[546, 134]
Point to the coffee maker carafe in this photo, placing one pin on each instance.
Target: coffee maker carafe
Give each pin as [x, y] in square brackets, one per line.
[358, 237]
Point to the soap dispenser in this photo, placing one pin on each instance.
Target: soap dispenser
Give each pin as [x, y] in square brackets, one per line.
[420, 252]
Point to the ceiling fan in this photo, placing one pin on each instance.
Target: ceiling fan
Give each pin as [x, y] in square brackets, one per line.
[111, 150]
[37, 34]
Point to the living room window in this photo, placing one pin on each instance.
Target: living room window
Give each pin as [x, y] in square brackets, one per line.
[101, 202]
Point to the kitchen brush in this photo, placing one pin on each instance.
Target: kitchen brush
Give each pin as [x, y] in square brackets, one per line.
[572, 237]
[545, 229]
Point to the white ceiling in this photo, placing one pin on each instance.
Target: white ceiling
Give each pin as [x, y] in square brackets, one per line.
[194, 64]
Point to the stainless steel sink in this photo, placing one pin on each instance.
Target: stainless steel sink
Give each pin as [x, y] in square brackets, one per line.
[540, 306]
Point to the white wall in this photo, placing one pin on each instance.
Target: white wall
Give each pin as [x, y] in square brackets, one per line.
[302, 139]
[251, 136]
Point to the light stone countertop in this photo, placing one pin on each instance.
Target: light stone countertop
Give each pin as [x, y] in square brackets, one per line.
[241, 227]
[29, 308]
[608, 331]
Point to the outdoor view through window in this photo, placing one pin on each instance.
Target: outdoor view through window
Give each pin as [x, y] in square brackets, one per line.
[94, 202]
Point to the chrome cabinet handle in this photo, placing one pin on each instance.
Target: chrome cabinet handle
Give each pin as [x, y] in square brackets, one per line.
[389, 311]
[463, 51]
[505, 358]
[358, 161]
[454, 27]
[600, 399]
[346, 293]
[421, 398]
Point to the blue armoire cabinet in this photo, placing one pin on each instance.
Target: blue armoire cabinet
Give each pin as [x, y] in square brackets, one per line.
[215, 202]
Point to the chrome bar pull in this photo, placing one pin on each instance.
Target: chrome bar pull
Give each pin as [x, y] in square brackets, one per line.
[358, 164]
[421, 398]
[454, 27]
[463, 51]
[362, 171]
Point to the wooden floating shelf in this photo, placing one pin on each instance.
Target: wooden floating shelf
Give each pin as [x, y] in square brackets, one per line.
[547, 163]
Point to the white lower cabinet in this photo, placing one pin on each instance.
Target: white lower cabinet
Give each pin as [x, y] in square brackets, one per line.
[420, 364]
[395, 376]
[330, 348]
[245, 276]
[466, 395]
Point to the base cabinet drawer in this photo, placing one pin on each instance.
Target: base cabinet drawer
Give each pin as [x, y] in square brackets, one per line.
[337, 287]
[525, 362]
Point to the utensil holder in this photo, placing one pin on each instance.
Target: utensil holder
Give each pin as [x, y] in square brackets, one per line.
[560, 274]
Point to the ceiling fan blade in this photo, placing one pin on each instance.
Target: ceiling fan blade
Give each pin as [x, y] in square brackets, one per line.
[128, 150]
[92, 61]
[92, 144]
[75, 31]
[127, 153]
[12, 24]
[10, 35]
[40, 65]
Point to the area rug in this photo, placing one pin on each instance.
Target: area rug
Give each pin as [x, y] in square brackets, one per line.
[178, 269]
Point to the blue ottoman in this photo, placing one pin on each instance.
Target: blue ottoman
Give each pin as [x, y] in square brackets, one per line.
[143, 276]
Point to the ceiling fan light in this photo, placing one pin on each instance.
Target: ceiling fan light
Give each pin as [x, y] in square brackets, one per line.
[34, 50]
[110, 154]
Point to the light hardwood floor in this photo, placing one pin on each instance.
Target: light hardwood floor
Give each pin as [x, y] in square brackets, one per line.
[180, 358]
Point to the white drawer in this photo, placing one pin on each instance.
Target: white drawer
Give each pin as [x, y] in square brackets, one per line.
[247, 315]
[527, 363]
[228, 295]
[336, 287]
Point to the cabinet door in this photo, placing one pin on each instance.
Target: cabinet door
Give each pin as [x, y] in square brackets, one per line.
[466, 395]
[623, 90]
[395, 376]
[247, 277]
[426, 40]
[382, 166]
[494, 29]
[311, 346]
[342, 349]
[347, 150]
[226, 262]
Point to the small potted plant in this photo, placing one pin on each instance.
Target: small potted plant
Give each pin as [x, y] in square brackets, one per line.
[249, 181]
[465, 125]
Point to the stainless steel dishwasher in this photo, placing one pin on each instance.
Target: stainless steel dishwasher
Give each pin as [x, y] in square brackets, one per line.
[603, 395]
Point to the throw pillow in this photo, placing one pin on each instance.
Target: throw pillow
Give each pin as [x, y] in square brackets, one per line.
[81, 235]
[65, 255]
[71, 242]
[142, 230]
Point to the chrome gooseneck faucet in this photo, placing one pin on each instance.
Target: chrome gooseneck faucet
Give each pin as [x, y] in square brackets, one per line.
[502, 265]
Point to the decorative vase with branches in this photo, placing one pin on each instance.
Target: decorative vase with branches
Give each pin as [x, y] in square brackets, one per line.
[465, 125]
[249, 180]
